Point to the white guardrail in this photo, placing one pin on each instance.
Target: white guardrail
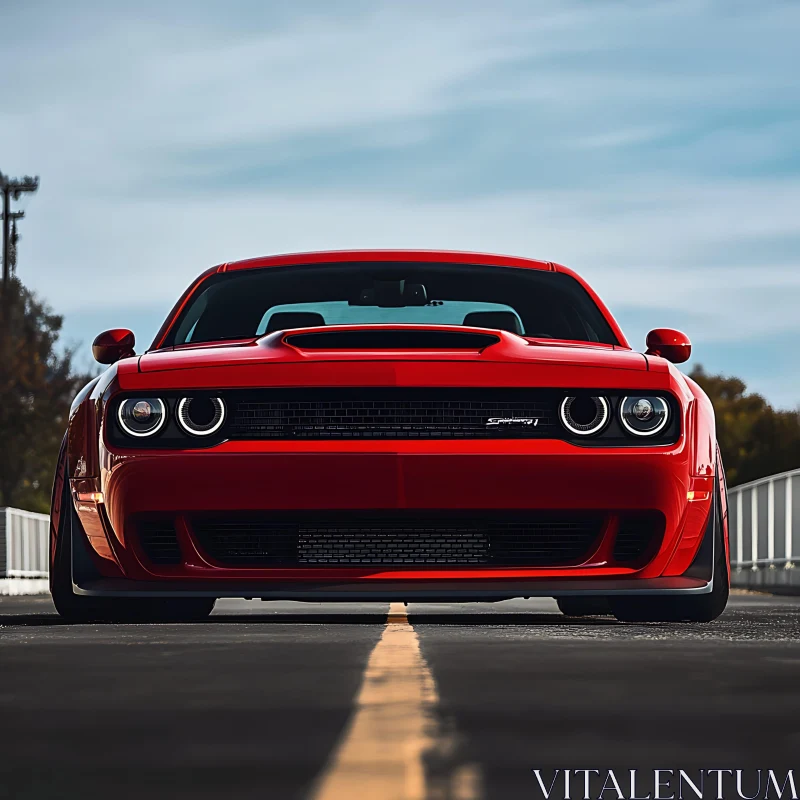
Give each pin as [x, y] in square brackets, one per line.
[764, 529]
[24, 551]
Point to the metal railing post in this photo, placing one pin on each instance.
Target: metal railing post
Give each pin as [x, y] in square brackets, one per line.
[739, 528]
[788, 520]
[754, 526]
[771, 520]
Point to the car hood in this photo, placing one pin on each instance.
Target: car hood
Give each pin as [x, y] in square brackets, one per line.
[290, 347]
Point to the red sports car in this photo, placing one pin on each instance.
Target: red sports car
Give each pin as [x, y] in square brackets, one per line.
[390, 425]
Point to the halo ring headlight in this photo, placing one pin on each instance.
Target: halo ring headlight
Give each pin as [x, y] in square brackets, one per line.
[644, 415]
[206, 427]
[593, 424]
[142, 416]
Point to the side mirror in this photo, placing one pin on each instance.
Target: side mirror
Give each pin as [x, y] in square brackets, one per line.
[670, 344]
[111, 346]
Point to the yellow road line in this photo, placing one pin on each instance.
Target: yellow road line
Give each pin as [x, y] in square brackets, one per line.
[397, 614]
[395, 730]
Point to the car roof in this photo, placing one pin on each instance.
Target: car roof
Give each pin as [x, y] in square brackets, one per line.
[338, 256]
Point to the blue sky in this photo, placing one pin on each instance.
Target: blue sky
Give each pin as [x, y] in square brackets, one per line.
[652, 146]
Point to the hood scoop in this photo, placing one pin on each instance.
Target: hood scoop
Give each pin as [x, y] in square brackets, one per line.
[391, 339]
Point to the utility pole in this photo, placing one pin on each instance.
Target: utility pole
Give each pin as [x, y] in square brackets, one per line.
[12, 188]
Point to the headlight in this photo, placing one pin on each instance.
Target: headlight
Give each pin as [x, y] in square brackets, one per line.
[201, 416]
[142, 416]
[644, 415]
[584, 415]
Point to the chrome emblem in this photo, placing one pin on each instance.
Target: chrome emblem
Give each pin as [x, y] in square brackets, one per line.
[512, 422]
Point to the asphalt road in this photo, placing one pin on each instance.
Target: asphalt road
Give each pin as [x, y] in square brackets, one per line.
[289, 700]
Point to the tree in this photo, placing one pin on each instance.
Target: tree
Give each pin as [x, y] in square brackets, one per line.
[755, 439]
[37, 385]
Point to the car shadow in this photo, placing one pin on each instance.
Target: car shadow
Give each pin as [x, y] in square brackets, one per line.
[30, 620]
[312, 618]
[440, 619]
[515, 618]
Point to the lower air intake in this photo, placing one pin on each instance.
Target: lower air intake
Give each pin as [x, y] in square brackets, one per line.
[159, 541]
[540, 540]
[638, 536]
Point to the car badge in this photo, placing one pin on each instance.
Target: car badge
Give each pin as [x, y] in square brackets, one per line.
[512, 422]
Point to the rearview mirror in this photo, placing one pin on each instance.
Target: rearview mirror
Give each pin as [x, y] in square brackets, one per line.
[670, 344]
[392, 294]
[111, 346]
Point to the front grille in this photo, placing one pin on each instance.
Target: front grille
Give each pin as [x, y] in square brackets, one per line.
[539, 539]
[159, 541]
[393, 414]
[638, 535]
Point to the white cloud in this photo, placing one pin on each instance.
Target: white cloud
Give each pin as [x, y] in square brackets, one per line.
[621, 137]
[640, 254]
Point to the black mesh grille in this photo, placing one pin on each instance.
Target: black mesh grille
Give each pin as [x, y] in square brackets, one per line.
[372, 544]
[393, 414]
[638, 536]
[159, 541]
[541, 540]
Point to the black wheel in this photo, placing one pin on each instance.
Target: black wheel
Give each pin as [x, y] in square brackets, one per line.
[80, 608]
[71, 607]
[583, 606]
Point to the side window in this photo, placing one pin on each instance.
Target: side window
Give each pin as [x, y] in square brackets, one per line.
[191, 331]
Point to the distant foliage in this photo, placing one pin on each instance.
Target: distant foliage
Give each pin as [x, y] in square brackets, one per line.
[37, 384]
[756, 440]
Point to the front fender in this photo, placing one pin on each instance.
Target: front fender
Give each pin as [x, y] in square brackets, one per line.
[705, 436]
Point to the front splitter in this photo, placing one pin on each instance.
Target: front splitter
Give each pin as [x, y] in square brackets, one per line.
[407, 591]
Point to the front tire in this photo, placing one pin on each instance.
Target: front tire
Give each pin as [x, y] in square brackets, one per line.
[79, 608]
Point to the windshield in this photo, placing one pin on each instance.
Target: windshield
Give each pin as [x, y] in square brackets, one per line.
[535, 303]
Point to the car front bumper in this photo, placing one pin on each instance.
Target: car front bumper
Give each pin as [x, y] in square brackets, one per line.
[394, 477]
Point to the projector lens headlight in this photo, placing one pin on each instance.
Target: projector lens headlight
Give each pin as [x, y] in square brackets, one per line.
[201, 416]
[142, 411]
[644, 415]
[584, 415]
[142, 416]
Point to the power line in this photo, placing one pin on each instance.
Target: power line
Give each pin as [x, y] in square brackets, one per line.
[11, 189]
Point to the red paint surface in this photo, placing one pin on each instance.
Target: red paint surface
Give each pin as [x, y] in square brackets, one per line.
[389, 474]
[670, 344]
